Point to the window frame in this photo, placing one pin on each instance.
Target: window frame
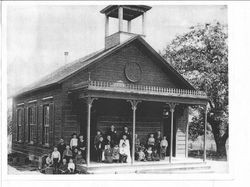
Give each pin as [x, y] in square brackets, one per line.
[19, 125]
[32, 122]
[46, 125]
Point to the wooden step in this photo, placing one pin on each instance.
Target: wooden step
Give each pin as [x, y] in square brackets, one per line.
[151, 168]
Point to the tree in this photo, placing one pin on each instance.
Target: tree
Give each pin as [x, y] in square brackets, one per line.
[201, 56]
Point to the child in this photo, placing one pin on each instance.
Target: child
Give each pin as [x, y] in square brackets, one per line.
[141, 155]
[55, 157]
[99, 149]
[155, 155]
[79, 158]
[73, 142]
[115, 154]
[97, 137]
[151, 141]
[71, 166]
[137, 143]
[149, 154]
[82, 145]
[75, 153]
[61, 147]
[67, 153]
[109, 141]
[96, 140]
[123, 155]
[48, 161]
[108, 154]
[164, 145]
[63, 168]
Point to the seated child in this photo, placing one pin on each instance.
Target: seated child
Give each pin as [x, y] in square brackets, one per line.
[67, 153]
[71, 166]
[79, 158]
[108, 154]
[164, 145]
[115, 154]
[75, 152]
[155, 155]
[63, 168]
[151, 141]
[141, 155]
[48, 161]
[149, 154]
[123, 155]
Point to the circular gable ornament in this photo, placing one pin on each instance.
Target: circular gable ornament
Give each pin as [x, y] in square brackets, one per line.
[133, 71]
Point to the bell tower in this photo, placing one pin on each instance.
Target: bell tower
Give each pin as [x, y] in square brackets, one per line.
[123, 12]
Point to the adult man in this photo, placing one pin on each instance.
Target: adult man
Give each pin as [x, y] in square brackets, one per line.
[113, 134]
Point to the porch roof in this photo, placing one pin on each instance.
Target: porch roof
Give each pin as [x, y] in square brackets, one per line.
[119, 90]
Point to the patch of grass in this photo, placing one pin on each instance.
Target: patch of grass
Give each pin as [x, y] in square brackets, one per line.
[211, 155]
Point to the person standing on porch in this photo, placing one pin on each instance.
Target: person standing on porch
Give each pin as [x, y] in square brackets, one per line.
[67, 154]
[61, 147]
[151, 141]
[113, 134]
[99, 149]
[82, 145]
[158, 139]
[55, 157]
[163, 145]
[73, 142]
[109, 141]
[125, 146]
[126, 132]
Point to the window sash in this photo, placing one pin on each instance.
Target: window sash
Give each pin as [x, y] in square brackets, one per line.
[46, 124]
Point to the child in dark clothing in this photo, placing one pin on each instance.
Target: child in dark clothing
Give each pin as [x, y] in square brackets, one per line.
[82, 145]
[141, 155]
[100, 148]
[63, 168]
[115, 153]
[67, 153]
[155, 155]
[149, 154]
[108, 154]
[96, 140]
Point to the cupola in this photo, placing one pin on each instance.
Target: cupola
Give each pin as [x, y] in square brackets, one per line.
[127, 13]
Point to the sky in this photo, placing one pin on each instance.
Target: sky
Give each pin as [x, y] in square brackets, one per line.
[38, 35]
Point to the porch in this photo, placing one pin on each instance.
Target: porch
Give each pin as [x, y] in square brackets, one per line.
[178, 165]
[170, 99]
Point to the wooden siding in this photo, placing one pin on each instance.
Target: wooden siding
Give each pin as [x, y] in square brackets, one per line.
[112, 67]
[55, 121]
[181, 125]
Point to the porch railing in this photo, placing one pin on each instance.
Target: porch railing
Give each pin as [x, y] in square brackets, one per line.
[140, 88]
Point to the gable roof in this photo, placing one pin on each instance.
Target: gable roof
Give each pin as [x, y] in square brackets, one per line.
[74, 67]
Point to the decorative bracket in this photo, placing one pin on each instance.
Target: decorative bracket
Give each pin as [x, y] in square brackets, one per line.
[133, 103]
[172, 106]
[90, 100]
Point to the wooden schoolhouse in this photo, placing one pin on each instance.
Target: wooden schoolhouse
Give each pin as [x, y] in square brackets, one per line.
[126, 83]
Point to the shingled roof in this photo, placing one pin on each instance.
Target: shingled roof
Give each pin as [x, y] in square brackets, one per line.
[70, 69]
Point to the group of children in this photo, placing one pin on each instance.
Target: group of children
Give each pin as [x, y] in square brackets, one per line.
[109, 148]
[65, 159]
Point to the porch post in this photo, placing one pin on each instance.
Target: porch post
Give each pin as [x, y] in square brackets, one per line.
[205, 134]
[134, 107]
[89, 105]
[120, 17]
[172, 107]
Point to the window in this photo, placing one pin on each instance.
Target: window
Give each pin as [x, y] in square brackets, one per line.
[19, 125]
[31, 124]
[46, 125]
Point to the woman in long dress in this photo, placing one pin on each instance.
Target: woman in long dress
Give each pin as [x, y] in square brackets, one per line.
[124, 144]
